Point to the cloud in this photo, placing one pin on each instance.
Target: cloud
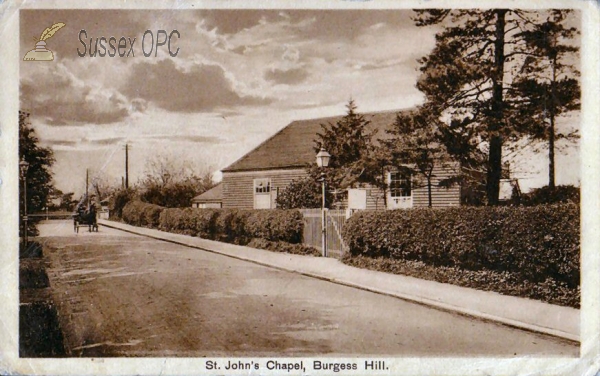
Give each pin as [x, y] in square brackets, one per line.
[187, 138]
[60, 143]
[54, 93]
[104, 141]
[203, 87]
[380, 64]
[288, 77]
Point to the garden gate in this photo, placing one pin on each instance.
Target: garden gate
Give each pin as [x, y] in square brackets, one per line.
[335, 220]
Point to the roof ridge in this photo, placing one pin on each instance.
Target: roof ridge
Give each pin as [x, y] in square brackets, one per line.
[299, 124]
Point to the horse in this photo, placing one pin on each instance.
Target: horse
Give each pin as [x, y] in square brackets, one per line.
[86, 217]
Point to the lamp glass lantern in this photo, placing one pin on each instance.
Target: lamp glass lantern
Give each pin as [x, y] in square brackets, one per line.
[323, 158]
[23, 167]
[323, 161]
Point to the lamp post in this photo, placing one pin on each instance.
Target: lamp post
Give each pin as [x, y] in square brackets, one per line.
[23, 167]
[323, 161]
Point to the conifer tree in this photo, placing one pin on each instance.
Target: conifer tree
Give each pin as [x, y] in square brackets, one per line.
[470, 78]
[39, 177]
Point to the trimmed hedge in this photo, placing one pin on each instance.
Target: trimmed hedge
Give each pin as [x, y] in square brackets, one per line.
[535, 243]
[233, 225]
[548, 195]
[275, 225]
[142, 214]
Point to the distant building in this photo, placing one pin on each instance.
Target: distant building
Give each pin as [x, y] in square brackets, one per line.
[254, 180]
[211, 199]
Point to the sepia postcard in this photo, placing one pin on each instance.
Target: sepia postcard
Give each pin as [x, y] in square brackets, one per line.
[331, 187]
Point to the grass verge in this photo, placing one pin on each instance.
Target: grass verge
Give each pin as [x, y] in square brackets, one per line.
[506, 283]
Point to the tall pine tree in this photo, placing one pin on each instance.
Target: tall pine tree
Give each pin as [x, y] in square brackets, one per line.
[349, 143]
[469, 79]
[550, 85]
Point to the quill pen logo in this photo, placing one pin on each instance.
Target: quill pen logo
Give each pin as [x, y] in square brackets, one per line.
[41, 53]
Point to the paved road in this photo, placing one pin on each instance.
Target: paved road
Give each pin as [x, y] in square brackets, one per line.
[125, 295]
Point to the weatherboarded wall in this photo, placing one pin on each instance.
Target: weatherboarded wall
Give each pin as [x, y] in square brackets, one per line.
[238, 186]
[440, 196]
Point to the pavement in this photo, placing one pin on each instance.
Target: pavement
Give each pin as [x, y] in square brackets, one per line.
[522, 313]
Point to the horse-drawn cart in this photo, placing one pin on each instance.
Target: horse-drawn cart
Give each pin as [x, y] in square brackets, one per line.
[85, 218]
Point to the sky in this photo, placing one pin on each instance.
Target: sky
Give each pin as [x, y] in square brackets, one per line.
[238, 77]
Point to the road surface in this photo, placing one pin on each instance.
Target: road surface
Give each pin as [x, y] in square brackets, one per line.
[120, 294]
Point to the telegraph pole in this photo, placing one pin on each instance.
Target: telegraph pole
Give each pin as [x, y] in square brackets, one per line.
[87, 198]
[126, 166]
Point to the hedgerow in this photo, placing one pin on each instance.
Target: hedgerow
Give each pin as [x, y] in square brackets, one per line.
[139, 213]
[533, 243]
[233, 225]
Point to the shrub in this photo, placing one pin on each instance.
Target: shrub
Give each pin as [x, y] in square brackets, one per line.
[547, 195]
[118, 201]
[302, 193]
[534, 242]
[173, 195]
[139, 213]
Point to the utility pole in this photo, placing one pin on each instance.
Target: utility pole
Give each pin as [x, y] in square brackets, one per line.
[126, 166]
[87, 198]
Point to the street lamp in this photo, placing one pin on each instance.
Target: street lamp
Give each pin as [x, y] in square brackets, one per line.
[23, 167]
[323, 161]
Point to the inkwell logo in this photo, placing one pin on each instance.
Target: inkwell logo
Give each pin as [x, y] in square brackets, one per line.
[41, 53]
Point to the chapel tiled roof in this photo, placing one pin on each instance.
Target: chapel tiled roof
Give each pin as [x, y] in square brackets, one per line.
[212, 195]
[293, 146]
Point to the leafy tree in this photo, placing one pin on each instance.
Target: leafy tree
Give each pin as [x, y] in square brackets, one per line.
[119, 199]
[349, 143]
[53, 195]
[550, 87]
[173, 183]
[176, 194]
[302, 194]
[416, 145]
[468, 79]
[67, 203]
[38, 178]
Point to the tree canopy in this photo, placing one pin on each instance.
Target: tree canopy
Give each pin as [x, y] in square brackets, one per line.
[470, 78]
[39, 177]
[354, 159]
[416, 144]
[549, 86]
[173, 183]
[302, 194]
